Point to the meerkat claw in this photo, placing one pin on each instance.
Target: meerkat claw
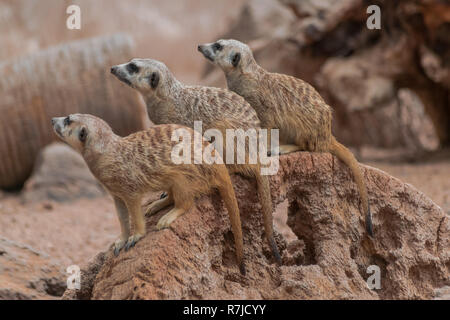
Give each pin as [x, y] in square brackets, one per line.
[118, 245]
[132, 241]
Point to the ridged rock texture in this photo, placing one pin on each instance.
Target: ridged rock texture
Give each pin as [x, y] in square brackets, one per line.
[194, 258]
[71, 78]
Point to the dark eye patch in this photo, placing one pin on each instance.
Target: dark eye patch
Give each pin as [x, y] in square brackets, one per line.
[154, 79]
[132, 68]
[217, 46]
[236, 59]
[67, 121]
[82, 135]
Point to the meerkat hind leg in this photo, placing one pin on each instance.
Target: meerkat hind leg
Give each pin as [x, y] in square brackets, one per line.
[158, 205]
[288, 148]
[183, 200]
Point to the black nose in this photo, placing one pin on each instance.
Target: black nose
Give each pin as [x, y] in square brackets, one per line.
[53, 121]
[199, 48]
[113, 70]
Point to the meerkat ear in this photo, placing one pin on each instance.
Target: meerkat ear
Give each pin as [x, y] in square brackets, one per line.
[82, 135]
[154, 80]
[236, 59]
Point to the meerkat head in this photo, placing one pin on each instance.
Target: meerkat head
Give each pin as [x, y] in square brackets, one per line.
[230, 55]
[148, 76]
[81, 130]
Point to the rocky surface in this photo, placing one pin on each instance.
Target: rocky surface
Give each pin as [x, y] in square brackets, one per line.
[26, 273]
[329, 260]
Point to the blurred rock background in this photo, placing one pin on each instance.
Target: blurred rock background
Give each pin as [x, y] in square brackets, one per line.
[389, 89]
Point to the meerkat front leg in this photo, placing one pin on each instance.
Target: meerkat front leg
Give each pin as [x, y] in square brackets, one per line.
[183, 202]
[160, 204]
[135, 210]
[124, 219]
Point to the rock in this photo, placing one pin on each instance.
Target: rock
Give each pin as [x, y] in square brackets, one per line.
[194, 258]
[442, 293]
[389, 117]
[88, 274]
[60, 174]
[28, 274]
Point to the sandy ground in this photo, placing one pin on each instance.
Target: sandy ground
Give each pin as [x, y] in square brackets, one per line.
[72, 233]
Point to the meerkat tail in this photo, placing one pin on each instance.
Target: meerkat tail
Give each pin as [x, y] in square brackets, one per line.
[227, 193]
[348, 158]
[266, 204]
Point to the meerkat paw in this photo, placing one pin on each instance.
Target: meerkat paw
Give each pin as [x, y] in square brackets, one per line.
[288, 148]
[118, 245]
[158, 205]
[132, 240]
[168, 218]
[155, 207]
[152, 209]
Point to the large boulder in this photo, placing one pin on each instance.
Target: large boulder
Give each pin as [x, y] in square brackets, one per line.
[194, 258]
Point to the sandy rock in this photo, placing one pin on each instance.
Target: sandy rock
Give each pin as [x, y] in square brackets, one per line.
[87, 277]
[194, 259]
[60, 174]
[28, 274]
[442, 293]
[367, 95]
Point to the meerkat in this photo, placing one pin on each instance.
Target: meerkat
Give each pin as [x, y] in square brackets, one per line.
[131, 166]
[287, 103]
[170, 101]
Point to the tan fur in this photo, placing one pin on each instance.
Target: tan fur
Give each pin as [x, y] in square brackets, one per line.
[130, 167]
[170, 101]
[284, 102]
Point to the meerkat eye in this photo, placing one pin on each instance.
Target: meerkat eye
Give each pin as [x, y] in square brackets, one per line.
[217, 47]
[67, 121]
[154, 80]
[132, 68]
[82, 135]
[235, 60]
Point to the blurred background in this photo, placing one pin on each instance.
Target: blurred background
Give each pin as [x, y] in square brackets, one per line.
[389, 89]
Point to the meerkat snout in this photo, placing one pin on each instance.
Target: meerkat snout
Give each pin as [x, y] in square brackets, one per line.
[227, 54]
[205, 50]
[119, 71]
[57, 124]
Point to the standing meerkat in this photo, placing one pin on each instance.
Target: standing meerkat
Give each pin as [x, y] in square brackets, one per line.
[287, 103]
[170, 101]
[131, 166]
